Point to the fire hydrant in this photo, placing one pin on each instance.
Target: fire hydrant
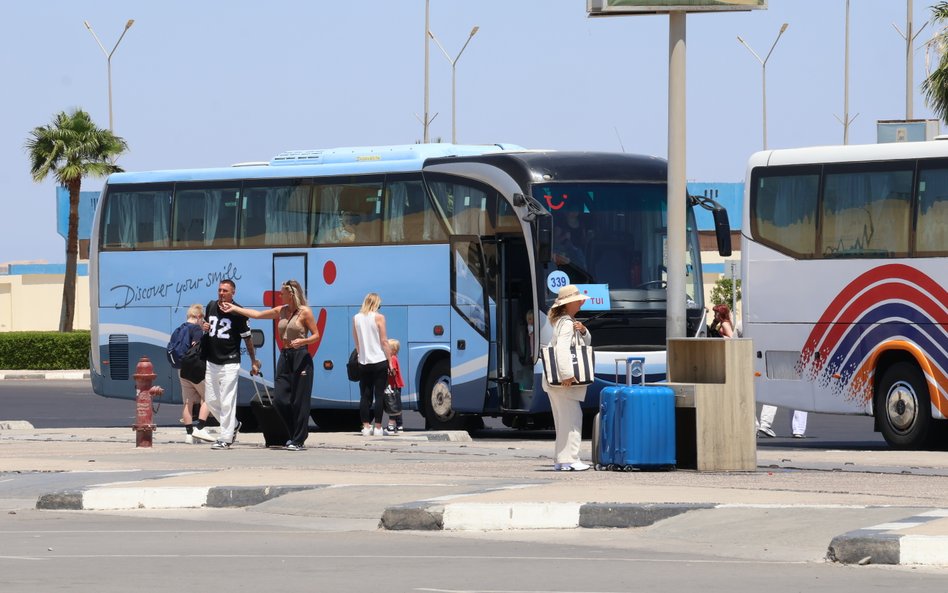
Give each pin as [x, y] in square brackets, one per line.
[144, 420]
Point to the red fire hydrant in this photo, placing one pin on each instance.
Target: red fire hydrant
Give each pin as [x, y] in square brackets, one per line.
[144, 420]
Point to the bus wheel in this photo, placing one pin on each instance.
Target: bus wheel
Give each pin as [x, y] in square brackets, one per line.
[439, 415]
[902, 406]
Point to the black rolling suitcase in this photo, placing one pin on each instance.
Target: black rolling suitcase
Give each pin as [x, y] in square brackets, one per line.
[275, 432]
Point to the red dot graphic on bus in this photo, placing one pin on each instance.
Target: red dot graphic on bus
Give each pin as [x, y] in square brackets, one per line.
[329, 272]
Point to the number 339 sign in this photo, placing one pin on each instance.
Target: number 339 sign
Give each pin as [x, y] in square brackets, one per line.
[556, 280]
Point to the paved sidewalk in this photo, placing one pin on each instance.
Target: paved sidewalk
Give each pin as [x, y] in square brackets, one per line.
[424, 480]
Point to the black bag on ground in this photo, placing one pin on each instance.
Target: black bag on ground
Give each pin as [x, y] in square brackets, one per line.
[193, 365]
[269, 420]
[393, 400]
[353, 368]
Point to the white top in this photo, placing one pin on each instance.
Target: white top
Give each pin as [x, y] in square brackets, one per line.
[370, 348]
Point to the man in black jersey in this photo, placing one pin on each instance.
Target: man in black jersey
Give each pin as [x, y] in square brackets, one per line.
[222, 350]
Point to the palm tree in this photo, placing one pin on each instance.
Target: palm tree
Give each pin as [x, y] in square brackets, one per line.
[935, 86]
[70, 148]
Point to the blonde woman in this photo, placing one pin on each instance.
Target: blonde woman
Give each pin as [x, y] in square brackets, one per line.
[371, 342]
[566, 397]
[293, 379]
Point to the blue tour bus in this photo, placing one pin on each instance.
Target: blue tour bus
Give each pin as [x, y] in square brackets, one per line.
[461, 242]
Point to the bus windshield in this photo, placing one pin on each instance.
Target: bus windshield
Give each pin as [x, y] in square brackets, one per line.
[614, 235]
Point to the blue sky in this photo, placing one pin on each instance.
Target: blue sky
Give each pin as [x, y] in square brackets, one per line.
[199, 84]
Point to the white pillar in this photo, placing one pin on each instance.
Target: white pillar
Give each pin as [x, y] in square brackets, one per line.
[676, 323]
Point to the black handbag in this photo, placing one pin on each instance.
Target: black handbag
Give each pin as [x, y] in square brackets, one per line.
[193, 365]
[353, 368]
[393, 400]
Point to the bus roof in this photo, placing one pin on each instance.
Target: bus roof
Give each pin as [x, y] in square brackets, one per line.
[322, 162]
[528, 167]
[851, 153]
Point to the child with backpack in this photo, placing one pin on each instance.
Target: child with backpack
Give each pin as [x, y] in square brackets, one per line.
[393, 392]
[182, 339]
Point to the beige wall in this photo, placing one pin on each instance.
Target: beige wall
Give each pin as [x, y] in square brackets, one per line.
[33, 302]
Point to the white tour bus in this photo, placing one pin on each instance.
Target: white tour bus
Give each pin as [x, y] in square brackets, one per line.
[844, 269]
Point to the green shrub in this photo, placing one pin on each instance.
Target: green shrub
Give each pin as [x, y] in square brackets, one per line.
[29, 351]
[722, 291]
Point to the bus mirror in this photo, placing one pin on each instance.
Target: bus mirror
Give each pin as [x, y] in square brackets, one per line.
[722, 230]
[519, 200]
[256, 337]
[544, 230]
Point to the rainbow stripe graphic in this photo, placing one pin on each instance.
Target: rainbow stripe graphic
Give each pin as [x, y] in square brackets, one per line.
[891, 307]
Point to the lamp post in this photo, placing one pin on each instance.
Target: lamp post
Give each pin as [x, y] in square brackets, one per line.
[763, 64]
[108, 58]
[454, 63]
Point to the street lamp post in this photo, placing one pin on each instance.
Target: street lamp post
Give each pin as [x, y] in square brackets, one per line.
[454, 63]
[108, 58]
[763, 64]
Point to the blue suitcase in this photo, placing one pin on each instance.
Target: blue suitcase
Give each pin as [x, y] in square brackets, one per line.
[635, 427]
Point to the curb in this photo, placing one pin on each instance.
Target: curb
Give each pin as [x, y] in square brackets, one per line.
[880, 544]
[167, 497]
[15, 425]
[497, 516]
[36, 375]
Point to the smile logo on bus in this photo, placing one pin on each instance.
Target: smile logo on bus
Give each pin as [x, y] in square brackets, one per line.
[549, 201]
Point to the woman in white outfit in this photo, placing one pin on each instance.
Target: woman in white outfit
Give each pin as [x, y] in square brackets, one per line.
[371, 341]
[565, 398]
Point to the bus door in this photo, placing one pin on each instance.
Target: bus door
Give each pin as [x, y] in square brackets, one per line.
[470, 311]
[286, 266]
[515, 324]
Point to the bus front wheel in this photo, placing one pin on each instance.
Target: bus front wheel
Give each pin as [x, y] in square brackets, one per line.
[902, 407]
[439, 414]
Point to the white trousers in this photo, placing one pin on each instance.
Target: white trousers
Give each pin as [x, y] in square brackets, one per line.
[797, 425]
[220, 393]
[568, 421]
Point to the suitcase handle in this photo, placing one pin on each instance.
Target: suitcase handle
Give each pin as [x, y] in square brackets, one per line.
[256, 390]
[634, 367]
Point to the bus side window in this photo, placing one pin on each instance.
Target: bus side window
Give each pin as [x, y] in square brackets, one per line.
[931, 236]
[409, 216]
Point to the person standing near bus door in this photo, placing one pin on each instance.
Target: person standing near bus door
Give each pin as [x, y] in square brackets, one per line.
[293, 380]
[765, 425]
[193, 393]
[721, 326]
[566, 397]
[371, 341]
[224, 331]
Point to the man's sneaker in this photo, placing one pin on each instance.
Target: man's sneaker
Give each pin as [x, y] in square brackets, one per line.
[366, 431]
[294, 447]
[390, 431]
[378, 431]
[400, 428]
[220, 445]
[233, 439]
[188, 439]
[799, 435]
[766, 432]
[203, 434]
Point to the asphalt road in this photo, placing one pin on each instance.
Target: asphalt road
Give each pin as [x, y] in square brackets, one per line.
[72, 404]
[201, 549]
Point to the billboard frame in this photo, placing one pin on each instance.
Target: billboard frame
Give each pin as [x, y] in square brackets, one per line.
[601, 8]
